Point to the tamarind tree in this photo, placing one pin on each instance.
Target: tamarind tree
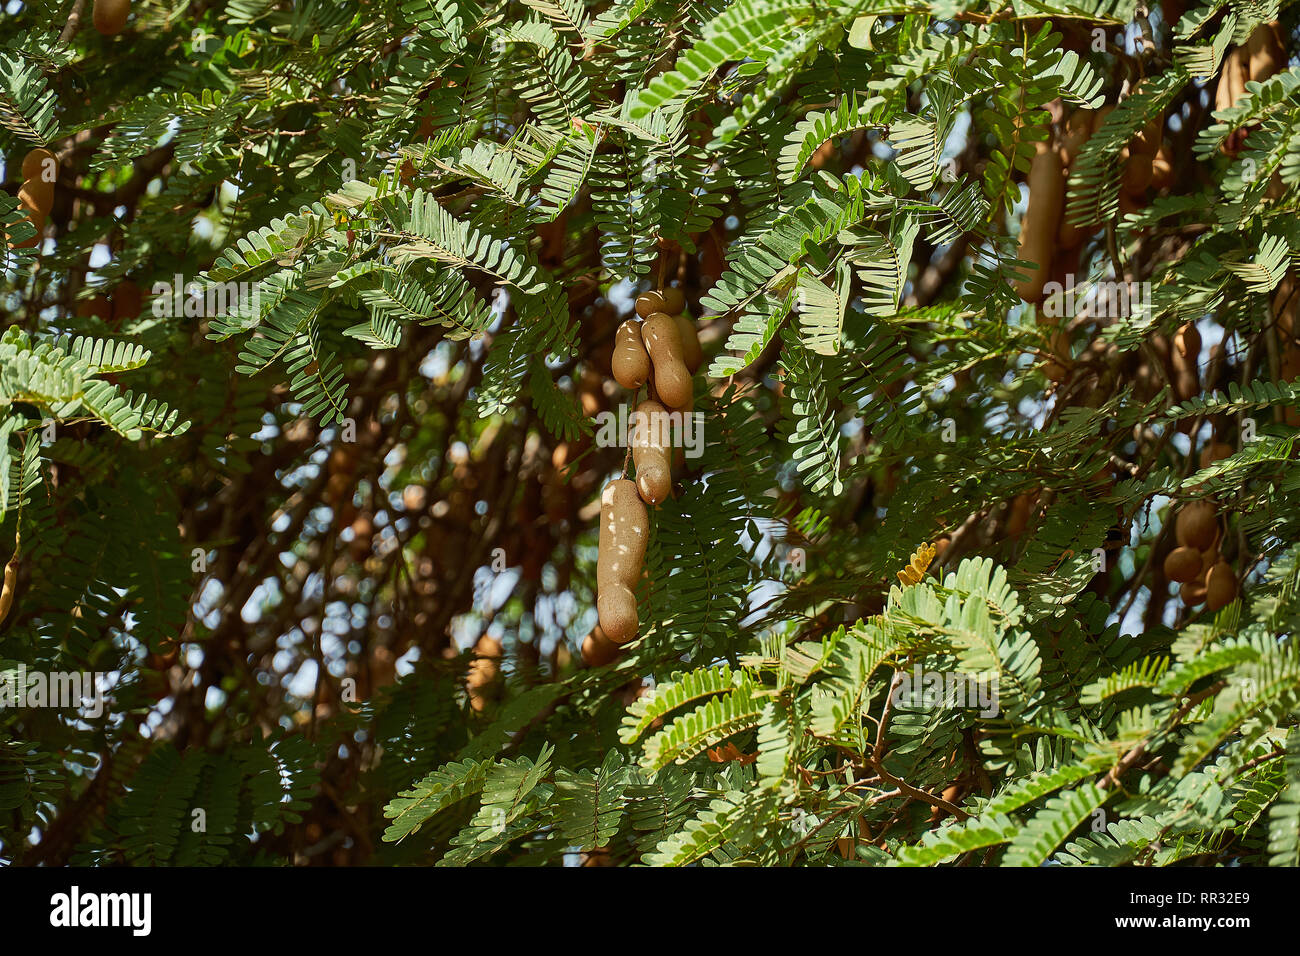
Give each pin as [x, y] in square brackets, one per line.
[991, 550]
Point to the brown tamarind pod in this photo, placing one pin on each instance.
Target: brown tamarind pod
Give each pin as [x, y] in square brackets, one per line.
[692, 352]
[10, 584]
[630, 362]
[674, 300]
[1041, 221]
[597, 649]
[41, 164]
[1265, 52]
[624, 530]
[1018, 514]
[1187, 345]
[648, 303]
[1162, 169]
[651, 451]
[664, 343]
[1220, 586]
[110, 16]
[1078, 128]
[1183, 564]
[1197, 525]
[483, 671]
[1193, 592]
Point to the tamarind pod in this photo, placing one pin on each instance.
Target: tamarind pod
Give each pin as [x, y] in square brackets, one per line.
[110, 16]
[1187, 346]
[616, 609]
[624, 528]
[597, 649]
[40, 164]
[1223, 98]
[1018, 514]
[1220, 586]
[651, 448]
[36, 195]
[1041, 220]
[483, 670]
[1070, 236]
[1077, 130]
[648, 303]
[674, 300]
[11, 582]
[1183, 564]
[1193, 592]
[692, 352]
[1137, 173]
[1238, 73]
[1162, 169]
[1265, 51]
[630, 362]
[664, 343]
[1196, 525]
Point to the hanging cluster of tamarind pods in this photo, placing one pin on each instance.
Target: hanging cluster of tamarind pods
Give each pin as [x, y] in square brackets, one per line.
[658, 349]
[1257, 59]
[1051, 242]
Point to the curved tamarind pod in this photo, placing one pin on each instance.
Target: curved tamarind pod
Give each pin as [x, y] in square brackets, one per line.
[1041, 221]
[630, 362]
[11, 582]
[651, 450]
[1238, 74]
[624, 529]
[692, 353]
[1220, 586]
[1197, 525]
[36, 198]
[674, 300]
[1265, 51]
[664, 343]
[40, 164]
[110, 16]
[1187, 344]
[648, 303]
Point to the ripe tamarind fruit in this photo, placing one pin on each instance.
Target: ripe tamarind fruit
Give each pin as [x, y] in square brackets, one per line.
[1162, 169]
[11, 582]
[1183, 564]
[651, 450]
[597, 649]
[624, 529]
[692, 353]
[648, 303]
[1042, 220]
[1078, 128]
[1187, 343]
[1215, 451]
[110, 16]
[1138, 155]
[483, 670]
[1193, 592]
[663, 341]
[1220, 586]
[40, 164]
[630, 362]
[1197, 525]
[1265, 52]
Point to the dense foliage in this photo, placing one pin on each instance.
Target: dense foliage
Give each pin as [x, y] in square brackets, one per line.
[299, 448]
